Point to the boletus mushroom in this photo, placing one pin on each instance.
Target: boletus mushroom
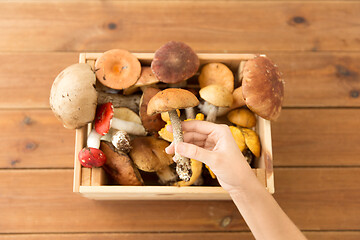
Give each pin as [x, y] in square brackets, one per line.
[146, 79]
[148, 154]
[73, 97]
[216, 74]
[169, 100]
[263, 87]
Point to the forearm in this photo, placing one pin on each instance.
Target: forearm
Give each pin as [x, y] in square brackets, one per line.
[262, 214]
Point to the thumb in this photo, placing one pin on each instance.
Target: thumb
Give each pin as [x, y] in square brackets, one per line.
[192, 151]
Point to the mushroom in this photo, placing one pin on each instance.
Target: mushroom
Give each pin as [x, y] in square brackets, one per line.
[151, 123]
[73, 97]
[148, 154]
[165, 115]
[131, 102]
[216, 96]
[169, 100]
[117, 69]
[216, 74]
[104, 120]
[92, 156]
[196, 168]
[263, 87]
[174, 62]
[238, 137]
[252, 141]
[120, 167]
[249, 156]
[242, 117]
[238, 97]
[146, 79]
[121, 141]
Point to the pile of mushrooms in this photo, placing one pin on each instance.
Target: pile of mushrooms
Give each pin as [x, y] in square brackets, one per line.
[128, 104]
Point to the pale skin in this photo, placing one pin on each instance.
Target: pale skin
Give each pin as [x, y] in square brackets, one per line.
[214, 145]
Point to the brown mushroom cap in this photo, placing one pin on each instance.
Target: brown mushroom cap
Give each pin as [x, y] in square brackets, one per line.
[263, 87]
[238, 98]
[148, 154]
[117, 69]
[218, 74]
[171, 99]
[174, 62]
[217, 95]
[242, 117]
[151, 123]
[146, 78]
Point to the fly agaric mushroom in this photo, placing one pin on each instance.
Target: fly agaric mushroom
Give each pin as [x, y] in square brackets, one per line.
[151, 123]
[217, 96]
[169, 100]
[92, 156]
[242, 117]
[73, 97]
[117, 69]
[148, 154]
[104, 120]
[146, 79]
[216, 74]
[174, 62]
[121, 141]
[263, 87]
[120, 167]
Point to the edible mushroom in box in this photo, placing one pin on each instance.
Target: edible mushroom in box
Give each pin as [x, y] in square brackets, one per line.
[216, 74]
[263, 87]
[147, 79]
[252, 141]
[121, 141]
[216, 96]
[117, 69]
[169, 100]
[148, 154]
[238, 98]
[242, 117]
[73, 97]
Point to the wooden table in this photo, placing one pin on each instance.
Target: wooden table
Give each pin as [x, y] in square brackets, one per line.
[315, 142]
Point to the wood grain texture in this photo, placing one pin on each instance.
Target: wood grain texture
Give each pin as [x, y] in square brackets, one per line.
[174, 236]
[312, 79]
[229, 26]
[301, 137]
[42, 201]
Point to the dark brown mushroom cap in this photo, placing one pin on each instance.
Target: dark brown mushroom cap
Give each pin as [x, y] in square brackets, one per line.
[151, 123]
[171, 99]
[148, 154]
[174, 62]
[263, 87]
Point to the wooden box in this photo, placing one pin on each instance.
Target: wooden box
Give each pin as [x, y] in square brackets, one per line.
[91, 183]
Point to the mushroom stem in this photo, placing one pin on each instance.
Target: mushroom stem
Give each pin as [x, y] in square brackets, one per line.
[190, 113]
[93, 139]
[118, 100]
[166, 176]
[211, 117]
[129, 127]
[183, 165]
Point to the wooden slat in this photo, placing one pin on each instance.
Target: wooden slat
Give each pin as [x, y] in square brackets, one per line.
[312, 79]
[315, 199]
[301, 137]
[174, 236]
[229, 25]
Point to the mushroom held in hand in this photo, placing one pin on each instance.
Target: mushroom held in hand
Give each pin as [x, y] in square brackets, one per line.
[169, 100]
[104, 120]
[216, 96]
[117, 69]
[73, 97]
[263, 87]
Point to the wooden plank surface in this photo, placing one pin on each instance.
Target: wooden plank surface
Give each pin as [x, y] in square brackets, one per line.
[312, 79]
[174, 236]
[42, 201]
[319, 137]
[230, 26]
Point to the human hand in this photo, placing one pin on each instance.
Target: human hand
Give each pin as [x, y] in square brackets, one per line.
[214, 145]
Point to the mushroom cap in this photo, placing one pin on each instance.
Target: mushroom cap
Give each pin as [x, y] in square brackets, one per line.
[73, 97]
[238, 98]
[171, 99]
[216, 74]
[120, 167]
[174, 62]
[121, 141]
[91, 157]
[239, 137]
[252, 141]
[146, 78]
[154, 122]
[104, 114]
[242, 117]
[263, 87]
[217, 95]
[148, 154]
[117, 69]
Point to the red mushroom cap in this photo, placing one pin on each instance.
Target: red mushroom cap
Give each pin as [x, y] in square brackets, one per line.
[104, 114]
[91, 157]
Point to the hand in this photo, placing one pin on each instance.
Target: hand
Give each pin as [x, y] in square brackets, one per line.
[214, 145]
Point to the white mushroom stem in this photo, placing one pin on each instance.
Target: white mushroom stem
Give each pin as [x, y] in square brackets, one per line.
[183, 165]
[166, 175]
[93, 139]
[129, 127]
[205, 108]
[211, 117]
[190, 113]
